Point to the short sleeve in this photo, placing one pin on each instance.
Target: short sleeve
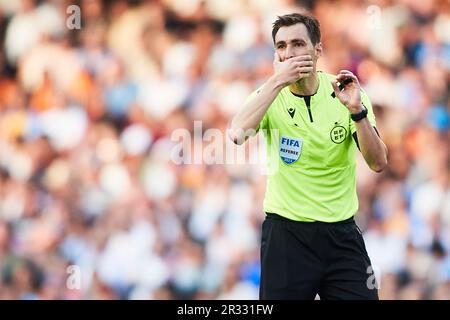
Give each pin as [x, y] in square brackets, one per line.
[370, 115]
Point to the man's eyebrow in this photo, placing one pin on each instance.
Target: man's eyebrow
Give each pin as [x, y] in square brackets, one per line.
[292, 40]
[298, 40]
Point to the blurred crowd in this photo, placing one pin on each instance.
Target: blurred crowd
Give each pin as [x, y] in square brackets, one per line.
[92, 205]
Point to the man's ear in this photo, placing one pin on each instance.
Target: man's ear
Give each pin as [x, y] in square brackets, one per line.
[319, 49]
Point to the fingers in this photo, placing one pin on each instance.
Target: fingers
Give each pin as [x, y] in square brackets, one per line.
[294, 68]
[346, 76]
[306, 63]
[300, 66]
[294, 60]
[307, 69]
[303, 67]
[304, 57]
[305, 72]
[345, 72]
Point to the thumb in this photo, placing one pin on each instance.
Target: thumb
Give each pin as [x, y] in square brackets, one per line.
[276, 58]
[334, 84]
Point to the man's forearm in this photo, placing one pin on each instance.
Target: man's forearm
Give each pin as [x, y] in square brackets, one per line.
[372, 147]
[253, 112]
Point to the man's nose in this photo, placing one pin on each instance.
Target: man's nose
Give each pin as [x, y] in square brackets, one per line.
[289, 52]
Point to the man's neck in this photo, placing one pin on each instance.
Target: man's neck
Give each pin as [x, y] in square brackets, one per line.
[306, 86]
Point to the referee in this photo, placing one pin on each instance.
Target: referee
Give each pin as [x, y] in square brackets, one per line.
[314, 124]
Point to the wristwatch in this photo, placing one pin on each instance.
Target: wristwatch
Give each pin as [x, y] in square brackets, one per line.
[361, 115]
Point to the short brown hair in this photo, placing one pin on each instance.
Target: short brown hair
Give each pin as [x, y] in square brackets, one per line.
[311, 24]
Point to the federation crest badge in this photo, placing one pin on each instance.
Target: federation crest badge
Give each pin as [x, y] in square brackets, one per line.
[290, 149]
[338, 133]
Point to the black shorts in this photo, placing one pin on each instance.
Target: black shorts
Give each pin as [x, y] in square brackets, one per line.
[302, 259]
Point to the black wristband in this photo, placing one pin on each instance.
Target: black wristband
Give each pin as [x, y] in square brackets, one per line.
[361, 115]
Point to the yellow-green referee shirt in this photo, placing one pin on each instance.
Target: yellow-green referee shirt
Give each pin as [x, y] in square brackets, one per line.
[311, 155]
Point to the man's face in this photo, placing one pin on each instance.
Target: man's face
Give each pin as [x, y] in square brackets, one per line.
[294, 41]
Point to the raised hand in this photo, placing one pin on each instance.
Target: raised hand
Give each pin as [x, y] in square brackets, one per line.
[350, 95]
[292, 69]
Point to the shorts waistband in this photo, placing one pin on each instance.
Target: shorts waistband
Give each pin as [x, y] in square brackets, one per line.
[271, 215]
